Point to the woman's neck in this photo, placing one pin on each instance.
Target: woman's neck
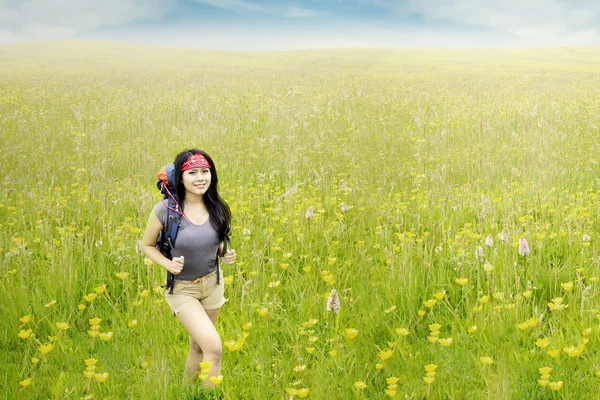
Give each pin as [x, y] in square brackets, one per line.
[193, 200]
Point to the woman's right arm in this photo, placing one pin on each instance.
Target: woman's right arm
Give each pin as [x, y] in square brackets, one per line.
[153, 229]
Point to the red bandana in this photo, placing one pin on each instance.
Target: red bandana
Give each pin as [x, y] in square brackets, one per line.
[195, 161]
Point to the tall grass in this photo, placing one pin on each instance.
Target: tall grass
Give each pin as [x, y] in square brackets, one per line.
[444, 159]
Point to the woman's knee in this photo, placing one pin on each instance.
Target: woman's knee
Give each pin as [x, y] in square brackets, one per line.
[213, 351]
[195, 347]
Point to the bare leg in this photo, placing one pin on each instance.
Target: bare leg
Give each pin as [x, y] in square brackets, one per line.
[195, 355]
[205, 338]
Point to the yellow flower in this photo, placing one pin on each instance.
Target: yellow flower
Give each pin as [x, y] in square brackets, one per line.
[63, 326]
[93, 333]
[434, 327]
[25, 382]
[420, 313]
[573, 351]
[46, 348]
[461, 281]
[553, 353]
[25, 318]
[228, 280]
[542, 343]
[333, 353]
[148, 261]
[378, 366]
[428, 380]
[35, 360]
[446, 342]
[302, 393]
[204, 365]
[292, 392]
[484, 299]
[472, 329]
[527, 294]
[307, 269]
[545, 370]
[402, 331]
[430, 367]
[24, 334]
[101, 377]
[392, 380]
[144, 293]
[53, 302]
[300, 368]
[390, 392]
[132, 323]
[90, 297]
[586, 332]
[309, 350]
[262, 311]
[555, 386]
[122, 275]
[385, 354]
[440, 295]
[88, 373]
[90, 362]
[100, 289]
[360, 385]
[274, 284]
[216, 379]
[523, 325]
[568, 286]
[81, 307]
[432, 338]
[350, 333]
[94, 321]
[105, 336]
[486, 360]
[430, 303]
[247, 326]
[543, 382]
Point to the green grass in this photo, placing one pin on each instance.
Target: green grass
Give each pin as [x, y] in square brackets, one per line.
[432, 151]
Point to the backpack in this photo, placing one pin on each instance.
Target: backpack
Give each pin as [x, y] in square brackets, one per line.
[167, 237]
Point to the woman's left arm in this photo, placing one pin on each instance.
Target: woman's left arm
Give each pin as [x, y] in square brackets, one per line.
[229, 257]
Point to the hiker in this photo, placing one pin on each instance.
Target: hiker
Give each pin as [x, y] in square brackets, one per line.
[202, 226]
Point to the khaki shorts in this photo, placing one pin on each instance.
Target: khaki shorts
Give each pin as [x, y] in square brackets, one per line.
[204, 289]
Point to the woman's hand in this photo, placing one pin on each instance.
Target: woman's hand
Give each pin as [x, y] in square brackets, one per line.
[176, 265]
[229, 257]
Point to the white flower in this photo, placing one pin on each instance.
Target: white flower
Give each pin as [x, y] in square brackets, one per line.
[504, 236]
[310, 213]
[246, 232]
[344, 207]
[586, 238]
[489, 241]
[479, 255]
[523, 246]
[333, 302]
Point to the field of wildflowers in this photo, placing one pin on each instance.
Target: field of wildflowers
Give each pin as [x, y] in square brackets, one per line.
[408, 224]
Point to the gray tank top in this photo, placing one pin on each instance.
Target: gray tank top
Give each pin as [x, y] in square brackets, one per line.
[198, 244]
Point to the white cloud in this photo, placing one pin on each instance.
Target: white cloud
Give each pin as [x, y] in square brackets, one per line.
[235, 5]
[559, 21]
[58, 19]
[297, 12]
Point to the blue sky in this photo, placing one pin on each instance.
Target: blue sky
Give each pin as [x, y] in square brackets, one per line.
[289, 25]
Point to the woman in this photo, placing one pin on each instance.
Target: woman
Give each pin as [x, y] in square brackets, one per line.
[198, 290]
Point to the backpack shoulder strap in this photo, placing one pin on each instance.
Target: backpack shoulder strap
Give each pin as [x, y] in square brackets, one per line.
[170, 235]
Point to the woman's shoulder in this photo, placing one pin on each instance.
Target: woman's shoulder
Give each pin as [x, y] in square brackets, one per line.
[160, 210]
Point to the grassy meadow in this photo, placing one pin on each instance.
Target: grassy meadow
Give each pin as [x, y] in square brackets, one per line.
[450, 197]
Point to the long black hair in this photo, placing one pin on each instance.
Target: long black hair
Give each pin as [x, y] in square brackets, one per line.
[218, 210]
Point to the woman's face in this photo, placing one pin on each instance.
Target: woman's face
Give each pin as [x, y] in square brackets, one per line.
[196, 181]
